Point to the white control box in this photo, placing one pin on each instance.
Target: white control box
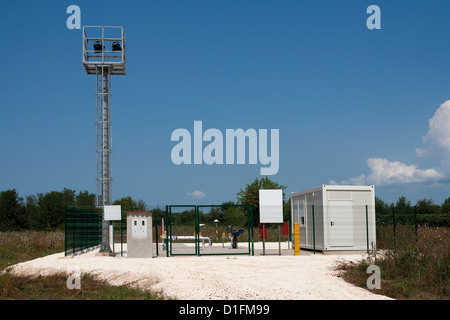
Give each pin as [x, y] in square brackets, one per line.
[139, 228]
[139, 234]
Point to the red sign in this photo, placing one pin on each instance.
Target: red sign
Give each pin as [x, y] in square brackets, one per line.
[261, 231]
[285, 228]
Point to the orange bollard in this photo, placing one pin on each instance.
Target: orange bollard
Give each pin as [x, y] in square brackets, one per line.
[296, 239]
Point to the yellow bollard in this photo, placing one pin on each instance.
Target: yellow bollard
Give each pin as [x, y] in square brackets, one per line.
[296, 239]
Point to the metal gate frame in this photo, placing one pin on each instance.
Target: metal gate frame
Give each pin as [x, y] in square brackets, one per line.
[169, 238]
[168, 226]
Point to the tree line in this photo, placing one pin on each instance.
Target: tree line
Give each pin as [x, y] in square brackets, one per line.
[424, 212]
[45, 211]
[404, 206]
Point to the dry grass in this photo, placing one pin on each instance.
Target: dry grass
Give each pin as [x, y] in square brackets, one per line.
[410, 269]
[16, 247]
[54, 287]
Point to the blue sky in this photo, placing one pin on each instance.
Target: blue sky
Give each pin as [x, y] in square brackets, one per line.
[352, 105]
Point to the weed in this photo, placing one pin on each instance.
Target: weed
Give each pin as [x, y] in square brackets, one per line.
[410, 269]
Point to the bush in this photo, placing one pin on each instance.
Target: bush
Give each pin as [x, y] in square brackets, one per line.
[434, 220]
[431, 220]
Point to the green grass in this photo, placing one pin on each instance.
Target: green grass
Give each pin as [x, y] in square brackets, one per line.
[16, 247]
[410, 269]
[55, 288]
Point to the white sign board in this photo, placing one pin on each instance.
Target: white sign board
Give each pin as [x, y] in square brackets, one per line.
[271, 206]
[112, 213]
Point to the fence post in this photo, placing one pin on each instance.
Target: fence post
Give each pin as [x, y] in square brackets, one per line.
[166, 240]
[253, 239]
[121, 235]
[197, 230]
[314, 231]
[80, 233]
[65, 231]
[367, 228]
[99, 230]
[73, 237]
[289, 231]
[156, 226]
[279, 239]
[249, 226]
[393, 222]
[264, 238]
[415, 219]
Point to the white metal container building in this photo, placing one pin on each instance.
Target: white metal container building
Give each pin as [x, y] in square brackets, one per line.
[335, 217]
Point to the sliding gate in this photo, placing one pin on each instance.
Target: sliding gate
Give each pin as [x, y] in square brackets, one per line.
[209, 230]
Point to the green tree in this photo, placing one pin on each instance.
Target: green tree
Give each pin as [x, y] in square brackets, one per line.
[287, 210]
[51, 210]
[85, 199]
[234, 216]
[427, 206]
[158, 215]
[32, 212]
[185, 218]
[12, 213]
[403, 207]
[216, 214]
[402, 202]
[250, 195]
[128, 203]
[446, 206]
[381, 207]
[68, 197]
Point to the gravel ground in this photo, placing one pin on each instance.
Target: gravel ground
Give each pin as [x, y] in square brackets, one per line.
[269, 277]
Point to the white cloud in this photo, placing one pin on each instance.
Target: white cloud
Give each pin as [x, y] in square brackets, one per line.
[385, 172]
[196, 194]
[361, 180]
[438, 137]
[439, 125]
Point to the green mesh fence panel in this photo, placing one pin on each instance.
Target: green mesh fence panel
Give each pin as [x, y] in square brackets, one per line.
[82, 229]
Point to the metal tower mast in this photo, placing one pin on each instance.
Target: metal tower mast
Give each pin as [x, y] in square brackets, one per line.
[104, 140]
[104, 55]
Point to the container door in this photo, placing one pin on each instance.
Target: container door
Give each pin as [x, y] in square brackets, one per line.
[340, 219]
[300, 216]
